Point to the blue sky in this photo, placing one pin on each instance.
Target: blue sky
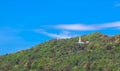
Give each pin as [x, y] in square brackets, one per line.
[25, 23]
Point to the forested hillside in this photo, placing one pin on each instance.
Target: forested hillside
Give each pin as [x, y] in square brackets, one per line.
[102, 53]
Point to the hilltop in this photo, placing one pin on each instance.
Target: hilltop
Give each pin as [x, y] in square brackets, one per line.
[102, 53]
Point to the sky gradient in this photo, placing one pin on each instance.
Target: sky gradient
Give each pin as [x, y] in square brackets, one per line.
[25, 23]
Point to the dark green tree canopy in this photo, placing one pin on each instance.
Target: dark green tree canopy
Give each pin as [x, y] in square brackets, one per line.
[102, 53]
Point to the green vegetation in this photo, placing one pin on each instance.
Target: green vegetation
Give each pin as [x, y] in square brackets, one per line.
[101, 54]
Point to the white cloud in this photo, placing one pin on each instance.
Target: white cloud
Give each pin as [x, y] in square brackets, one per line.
[75, 27]
[62, 35]
[70, 28]
[111, 25]
[83, 27]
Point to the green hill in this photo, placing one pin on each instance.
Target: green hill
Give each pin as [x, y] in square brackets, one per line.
[102, 53]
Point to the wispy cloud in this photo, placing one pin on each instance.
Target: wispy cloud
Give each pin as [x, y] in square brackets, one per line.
[75, 27]
[110, 25]
[117, 4]
[62, 35]
[70, 28]
[85, 27]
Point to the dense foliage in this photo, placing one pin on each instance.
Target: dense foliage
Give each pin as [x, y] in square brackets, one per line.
[101, 54]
